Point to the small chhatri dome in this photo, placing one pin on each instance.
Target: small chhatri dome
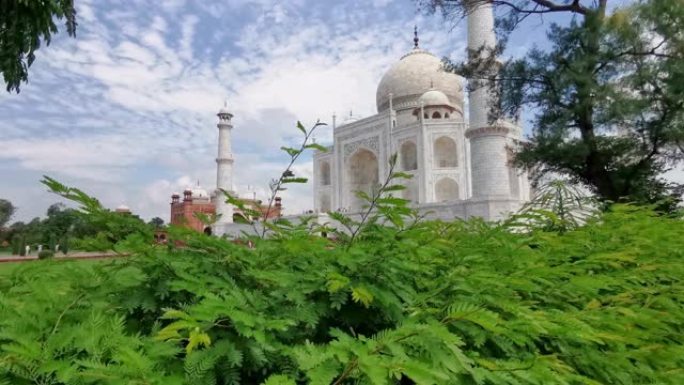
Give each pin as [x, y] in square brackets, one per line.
[434, 98]
[410, 78]
[198, 192]
[123, 209]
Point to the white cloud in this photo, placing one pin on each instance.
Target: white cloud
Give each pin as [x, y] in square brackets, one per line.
[100, 158]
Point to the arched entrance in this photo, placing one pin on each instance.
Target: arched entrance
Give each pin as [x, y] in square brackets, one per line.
[325, 173]
[445, 153]
[446, 189]
[362, 175]
[409, 156]
[324, 200]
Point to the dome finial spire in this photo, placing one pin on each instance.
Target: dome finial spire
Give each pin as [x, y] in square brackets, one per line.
[415, 36]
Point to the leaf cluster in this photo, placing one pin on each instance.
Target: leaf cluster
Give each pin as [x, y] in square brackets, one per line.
[24, 26]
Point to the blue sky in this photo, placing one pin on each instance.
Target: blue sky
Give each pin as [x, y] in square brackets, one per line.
[126, 111]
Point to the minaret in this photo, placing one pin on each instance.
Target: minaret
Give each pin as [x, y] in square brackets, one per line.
[488, 140]
[481, 45]
[224, 167]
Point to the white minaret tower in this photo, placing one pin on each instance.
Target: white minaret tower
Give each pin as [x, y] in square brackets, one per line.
[224, 168]
[488, 140]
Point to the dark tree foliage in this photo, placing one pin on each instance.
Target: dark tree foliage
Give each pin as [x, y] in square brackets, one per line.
[608, 94]
[99, 230]
[59, 222]
[7, 209]
[63, 224]
[24, 26]
[156, 222]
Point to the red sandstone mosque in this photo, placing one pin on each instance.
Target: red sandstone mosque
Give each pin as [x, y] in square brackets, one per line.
[196, 200]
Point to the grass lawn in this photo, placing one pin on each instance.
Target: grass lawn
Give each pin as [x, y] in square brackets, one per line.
[6, 268]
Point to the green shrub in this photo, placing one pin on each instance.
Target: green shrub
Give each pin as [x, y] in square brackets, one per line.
[16, 245]
[52, 242]
[22, 246]
[64, 245]
[99, 242]
[45, 254]
[426, 303]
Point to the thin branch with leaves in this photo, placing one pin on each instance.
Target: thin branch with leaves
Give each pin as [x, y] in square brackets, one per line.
[277, 185]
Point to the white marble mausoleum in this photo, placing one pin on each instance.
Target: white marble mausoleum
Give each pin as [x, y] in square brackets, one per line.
[460, 167]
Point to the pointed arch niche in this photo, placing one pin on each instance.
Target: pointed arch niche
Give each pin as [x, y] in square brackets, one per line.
[445, 153]
[325, 173]
[362, 175]
[446, 189]
[409, 156]
[324, 203]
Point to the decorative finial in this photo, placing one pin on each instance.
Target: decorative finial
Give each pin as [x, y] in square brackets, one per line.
[415, 37]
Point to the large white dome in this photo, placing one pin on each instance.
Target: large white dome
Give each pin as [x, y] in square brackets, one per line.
[417, 72]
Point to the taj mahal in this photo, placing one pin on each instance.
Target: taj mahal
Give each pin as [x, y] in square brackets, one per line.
[460, 167]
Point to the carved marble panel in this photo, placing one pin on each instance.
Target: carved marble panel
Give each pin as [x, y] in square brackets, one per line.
[371, 143]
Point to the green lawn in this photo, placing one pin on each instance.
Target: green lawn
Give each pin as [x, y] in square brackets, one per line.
[7, 268]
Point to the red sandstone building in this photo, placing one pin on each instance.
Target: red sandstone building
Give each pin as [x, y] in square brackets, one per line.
[196, 200]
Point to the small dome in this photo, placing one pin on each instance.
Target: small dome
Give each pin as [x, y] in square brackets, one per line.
[434, 98]
[413, 75]
[198, 192]
[123, 209]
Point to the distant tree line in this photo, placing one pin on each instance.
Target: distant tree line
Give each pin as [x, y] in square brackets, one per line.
[67, 227]
[59, 224]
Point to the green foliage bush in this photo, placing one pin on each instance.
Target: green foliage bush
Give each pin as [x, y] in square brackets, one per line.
[45, 254]
[52, 242]
[16, 245]
[64, 245]
[22, 246]
[425, 303]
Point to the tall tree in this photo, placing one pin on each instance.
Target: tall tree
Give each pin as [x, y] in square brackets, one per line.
[60, 221]
[24, 26]
[608, 95]
[7, 209]
[156, 222]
